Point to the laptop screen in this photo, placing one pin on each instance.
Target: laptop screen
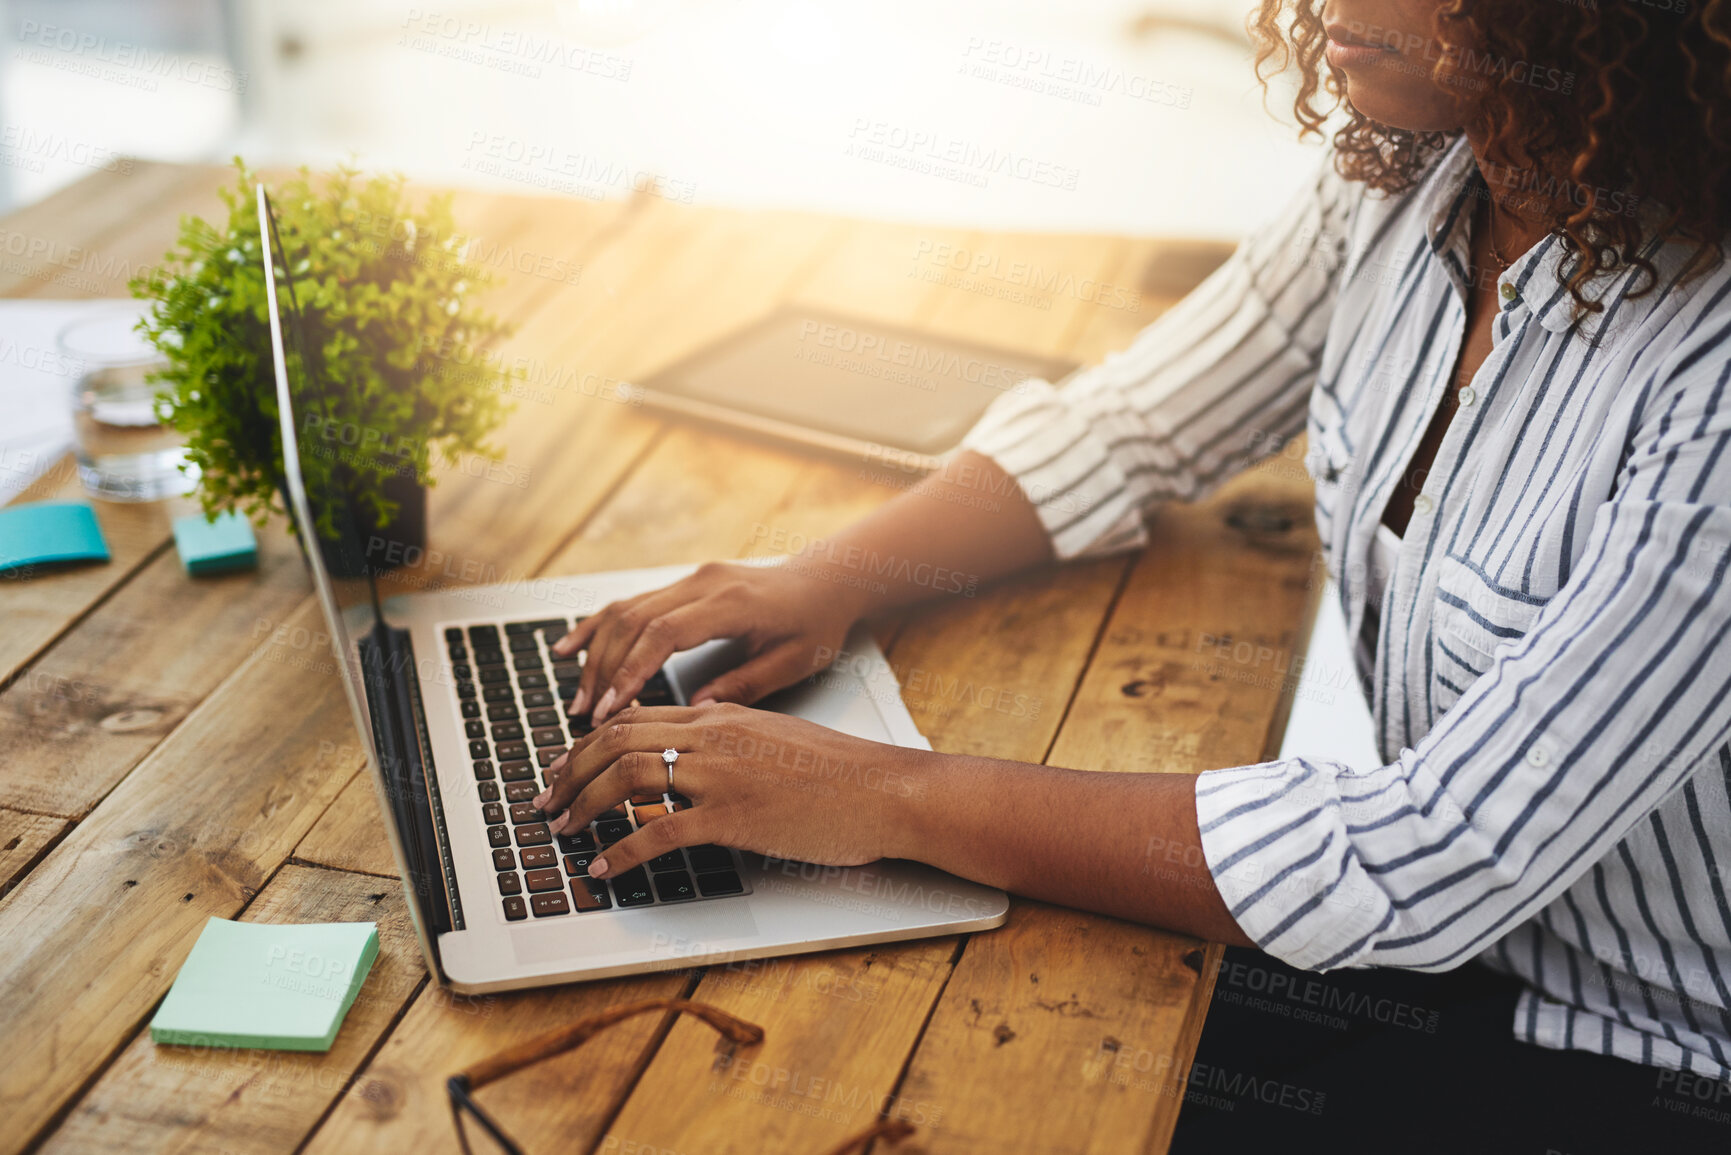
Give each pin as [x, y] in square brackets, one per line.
[375, 663]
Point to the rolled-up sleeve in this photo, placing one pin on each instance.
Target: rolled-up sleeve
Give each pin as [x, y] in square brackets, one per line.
[1576, 732]
[1216, 383]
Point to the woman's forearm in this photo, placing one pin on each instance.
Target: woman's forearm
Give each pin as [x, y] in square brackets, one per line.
[1119, 844]
[956, 530]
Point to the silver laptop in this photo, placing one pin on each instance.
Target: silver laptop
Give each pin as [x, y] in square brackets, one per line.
[461, 706]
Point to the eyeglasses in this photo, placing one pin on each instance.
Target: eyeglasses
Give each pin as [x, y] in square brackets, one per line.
[737, 1033]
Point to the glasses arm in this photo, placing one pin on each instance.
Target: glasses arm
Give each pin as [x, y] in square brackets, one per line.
[557, 1042]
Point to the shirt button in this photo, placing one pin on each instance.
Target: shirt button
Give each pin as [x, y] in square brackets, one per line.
[1537, 756]
[1508, 291]
[1467, 396]
[1423, 503]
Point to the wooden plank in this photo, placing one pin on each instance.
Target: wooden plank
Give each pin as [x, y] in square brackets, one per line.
[23, 839]
[93, 706]
[80, 240]
[162, 1098]
[89, 940]
[347, 836]
[1030, 1048]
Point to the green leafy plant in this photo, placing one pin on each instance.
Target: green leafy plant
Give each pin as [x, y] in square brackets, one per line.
[398, 368]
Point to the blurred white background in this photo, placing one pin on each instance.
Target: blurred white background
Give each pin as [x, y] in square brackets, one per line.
[1095, 115]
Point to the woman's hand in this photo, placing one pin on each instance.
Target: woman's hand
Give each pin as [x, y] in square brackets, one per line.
[790, 621]
[771, 783]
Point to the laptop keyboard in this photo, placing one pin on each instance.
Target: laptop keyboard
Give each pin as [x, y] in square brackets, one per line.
[513, 694]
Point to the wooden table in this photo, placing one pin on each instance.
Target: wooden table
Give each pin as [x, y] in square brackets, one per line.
[165, 760]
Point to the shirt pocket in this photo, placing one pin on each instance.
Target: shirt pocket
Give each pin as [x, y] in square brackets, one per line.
[1472, 619]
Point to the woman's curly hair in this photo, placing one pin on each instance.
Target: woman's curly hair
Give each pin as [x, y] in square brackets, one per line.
[1621, 110]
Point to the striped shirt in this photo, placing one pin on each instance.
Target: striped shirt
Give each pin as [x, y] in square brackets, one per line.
[1550, 681]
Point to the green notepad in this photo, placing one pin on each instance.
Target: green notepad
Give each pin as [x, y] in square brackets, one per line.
[49, 532]
[208, 547]
[255, 984]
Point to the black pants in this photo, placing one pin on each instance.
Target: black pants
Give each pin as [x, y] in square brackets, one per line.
[1408, 1063]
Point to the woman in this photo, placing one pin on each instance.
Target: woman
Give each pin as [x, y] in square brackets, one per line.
[1502, 316]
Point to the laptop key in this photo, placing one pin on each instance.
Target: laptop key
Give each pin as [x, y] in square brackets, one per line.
[675, 887]
[488, 791]
[471, 709]
[649, 813]
[493, 812]
[632, 888]
[522, 791]
[577, 864]
[532, 681]
[540, 880]
[461, 670]
[547, 755]
[567, 671]
[547, 904]
[509, 883]
[516, 910]
[498, 836]
[719, 882]
[454, 634]
[612, 830]
[533, 698]
[534, 834]
[656, 692]
[551, 736]
[492, 675]
[540, 718]
[507, 731]
[465, 689]
[474, 729]
[478, 749]
[503, 859]
[535, 857]
[512, 751]
[522, 812]
[536, 626]
[663, 863]
[707, 858]
[502, 712]
[498, 694]
[590, 894]
[483, 771]
[476, 633]
[517, 772]
[576, 843]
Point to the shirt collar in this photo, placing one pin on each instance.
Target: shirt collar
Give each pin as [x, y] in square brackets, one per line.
[1538, 279]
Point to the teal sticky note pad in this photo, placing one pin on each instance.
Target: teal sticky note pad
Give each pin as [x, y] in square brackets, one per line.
[215, 546]
[49, 532]
[259, 984]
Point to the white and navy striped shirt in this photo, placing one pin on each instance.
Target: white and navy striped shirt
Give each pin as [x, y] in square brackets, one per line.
[1551, 682]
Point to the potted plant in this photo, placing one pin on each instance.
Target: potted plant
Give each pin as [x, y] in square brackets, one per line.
[394, 343]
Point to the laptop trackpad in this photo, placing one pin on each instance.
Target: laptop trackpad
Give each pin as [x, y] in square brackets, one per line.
[843, 697]
[688, 928]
